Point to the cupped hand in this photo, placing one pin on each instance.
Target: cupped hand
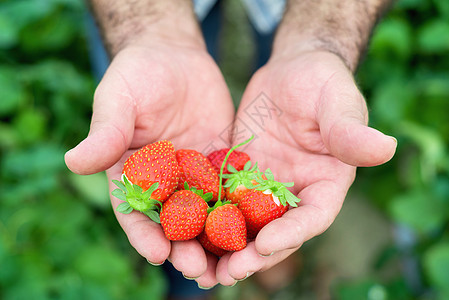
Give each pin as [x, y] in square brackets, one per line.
[149, 94]
[310, 123]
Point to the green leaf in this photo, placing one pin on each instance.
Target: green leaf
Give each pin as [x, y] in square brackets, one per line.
[269, 174]
[151, 190]
[137, 189]
[93, 188]
[208, 196]
[153, 215]
[433, 37]
[119, 184]
[232, 169]
[247, 166]
[418, 209]
[12, 91]
[436, 265]
[118, 193]
[124, 208]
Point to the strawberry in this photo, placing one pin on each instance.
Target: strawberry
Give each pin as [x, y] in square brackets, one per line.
[204, 241]
[238, 183]
[225, 227]
[197, 171]
[268, 201]
[183, 215]
[237, 159]
[150, 176]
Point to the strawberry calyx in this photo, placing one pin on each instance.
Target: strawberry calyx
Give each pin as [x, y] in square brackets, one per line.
[137, 199]
[244, 177]
[206, 196]
[276, 188]
[223, 164]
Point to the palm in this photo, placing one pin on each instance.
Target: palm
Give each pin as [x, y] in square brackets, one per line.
[165, 93]
[290, 141]
[309, 122]
[171, 94]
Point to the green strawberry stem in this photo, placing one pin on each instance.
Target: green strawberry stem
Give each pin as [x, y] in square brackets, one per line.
[220, 187]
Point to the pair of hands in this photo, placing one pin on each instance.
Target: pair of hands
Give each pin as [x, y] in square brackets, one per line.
[316, 138]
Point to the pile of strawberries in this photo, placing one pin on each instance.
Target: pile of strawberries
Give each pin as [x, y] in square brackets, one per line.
[222, 200]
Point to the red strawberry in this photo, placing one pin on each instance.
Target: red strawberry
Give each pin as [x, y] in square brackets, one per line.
[225, 228]
[204, 241]
[150, 176]
[154, 163]
[183, 215]
[197, 171]
[268, 201]
[237, 159]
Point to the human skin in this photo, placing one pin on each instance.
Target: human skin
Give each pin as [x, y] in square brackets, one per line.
[158, 86]
[162, 84]
[317, 133]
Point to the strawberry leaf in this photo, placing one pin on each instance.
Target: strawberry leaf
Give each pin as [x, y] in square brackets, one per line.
[119, 184]
[124, 208]
[208, 196]
[269, 174]
[247, 166]
[135, 196]
[153, 215]
[232, 169]
[118, 193]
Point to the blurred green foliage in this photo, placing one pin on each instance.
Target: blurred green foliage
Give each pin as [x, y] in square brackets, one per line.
[58, 236]
[405, 78]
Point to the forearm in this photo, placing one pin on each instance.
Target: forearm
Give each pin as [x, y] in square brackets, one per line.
[125, 22]
[342, 27]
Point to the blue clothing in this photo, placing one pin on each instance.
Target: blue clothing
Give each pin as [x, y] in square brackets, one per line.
[263, 14]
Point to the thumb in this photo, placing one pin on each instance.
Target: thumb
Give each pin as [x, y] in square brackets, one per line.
[110, 134]
[343, 119]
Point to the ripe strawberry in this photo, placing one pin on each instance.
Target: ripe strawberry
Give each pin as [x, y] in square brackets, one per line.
[237, 159]
[150, 176]
[268, 201]
[154, 163]
[225, 228]
[204, 241]
[183, 215]
[238, 183]
[197, 171]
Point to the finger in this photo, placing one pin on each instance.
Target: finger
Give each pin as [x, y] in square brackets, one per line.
[189, 258]
[223, 276]
[343, 119]
[208, 279]
[143, 234]
[111, 129]
[244, 263]
[320, 204]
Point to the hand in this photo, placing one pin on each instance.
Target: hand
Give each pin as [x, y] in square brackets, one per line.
[317, 141]
[160, 91]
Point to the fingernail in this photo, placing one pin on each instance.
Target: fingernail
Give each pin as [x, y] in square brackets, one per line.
[263, 255]
[393, 138]
[247, 275]
[189, 278]
[204, 288]
[155, 264]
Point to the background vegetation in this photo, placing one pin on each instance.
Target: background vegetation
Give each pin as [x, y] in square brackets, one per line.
[59, 238]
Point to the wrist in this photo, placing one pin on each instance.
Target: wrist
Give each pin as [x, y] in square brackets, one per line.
[341, 27]
[146, 23]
